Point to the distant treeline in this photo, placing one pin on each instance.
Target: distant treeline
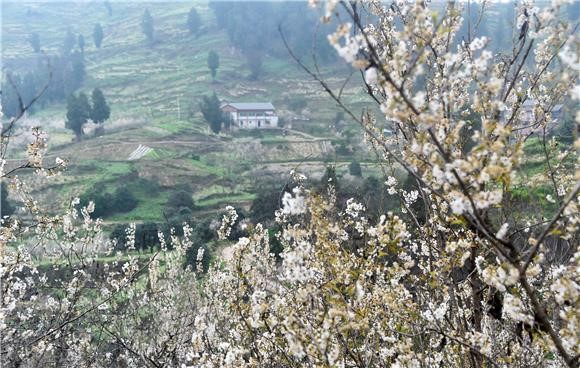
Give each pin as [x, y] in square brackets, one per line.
[63, 74]
[253, 28]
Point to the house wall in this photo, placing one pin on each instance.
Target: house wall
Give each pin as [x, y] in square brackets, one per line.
[255, 119]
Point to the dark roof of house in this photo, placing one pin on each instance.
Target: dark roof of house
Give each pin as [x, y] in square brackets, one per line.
[251, 106]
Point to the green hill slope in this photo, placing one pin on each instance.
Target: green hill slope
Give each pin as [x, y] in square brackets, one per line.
[154, 93]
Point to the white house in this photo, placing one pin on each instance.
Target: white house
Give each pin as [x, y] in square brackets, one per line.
[251, 115]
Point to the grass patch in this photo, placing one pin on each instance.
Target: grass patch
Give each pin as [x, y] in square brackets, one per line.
[208, 167]
[175, 126]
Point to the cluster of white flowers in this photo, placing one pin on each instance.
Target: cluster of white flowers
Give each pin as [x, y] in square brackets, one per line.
[407, 290]
[513, 308]
[294, 204]
[353, 208]
[498, 276]
[351, 46]
[391, 184]
[228, 221]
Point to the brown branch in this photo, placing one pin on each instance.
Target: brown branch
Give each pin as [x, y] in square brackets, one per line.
[94, 307]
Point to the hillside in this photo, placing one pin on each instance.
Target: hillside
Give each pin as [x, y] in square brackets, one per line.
[154, 93]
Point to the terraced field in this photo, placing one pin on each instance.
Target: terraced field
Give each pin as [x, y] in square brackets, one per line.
[154, 93]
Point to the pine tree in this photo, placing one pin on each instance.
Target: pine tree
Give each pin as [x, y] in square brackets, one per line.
[10, 95]
[28, 90]
[329, 179]
[213, 62]
[35, 42]
[108, 7]
[74, 73]
[100, 111]
[69, 42]
[193, 21]
[147, 26]
[255, 60]
[6, 208]
[210, 108]
[354, 168]
[78, 110]
[98, 35]
[81, 42]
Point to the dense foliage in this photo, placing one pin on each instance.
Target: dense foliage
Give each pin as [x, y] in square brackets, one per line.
[69, 42]
[34, 40]
[6, 208]
[147, 26]
[213, 63]
[100, 110]
[212, 113]
[98, 35]
[193, 21]
[58, 76]
[107, 203]
[81, 43]
[78, 113]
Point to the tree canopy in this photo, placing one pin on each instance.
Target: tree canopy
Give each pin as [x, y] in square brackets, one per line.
[210, 108]
[100, 110]
[98, 35]
[69, 42]
[147, 26]
[6, 208]
[213, 63]
[193, 21]
[34, 40]
[109, 7]
[78, 113]
[81, 43]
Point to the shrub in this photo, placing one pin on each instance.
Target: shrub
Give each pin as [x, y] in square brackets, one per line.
[267, 201]
[178, 200]
[354, 168]
[297, 104]
[106, 204]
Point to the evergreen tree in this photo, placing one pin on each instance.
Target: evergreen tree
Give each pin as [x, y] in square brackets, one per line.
[100, 111]
[78, 110]
[254, 59]
[329, 178]
[567, 130]
[34, 40]
[81, 42]
[74, 73]
[213, 62]
[147, 26]
[10, 95]
[6, 208]
[56, 88]
[210, 108]
[28, 90]
[98, 35]
[69, 42]
[108, 7]
[193, 21]
[354, 168]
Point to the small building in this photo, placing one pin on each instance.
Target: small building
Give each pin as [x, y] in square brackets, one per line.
[251, 115]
